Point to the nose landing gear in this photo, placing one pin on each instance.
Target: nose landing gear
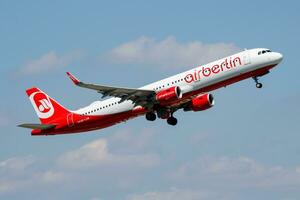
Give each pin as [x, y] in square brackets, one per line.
[258, 84]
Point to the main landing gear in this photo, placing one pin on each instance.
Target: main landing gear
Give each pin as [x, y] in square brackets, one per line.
[151, 116]
[172, 121]
[258, 84]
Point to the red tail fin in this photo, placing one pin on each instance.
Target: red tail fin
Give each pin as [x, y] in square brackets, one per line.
[47, 109]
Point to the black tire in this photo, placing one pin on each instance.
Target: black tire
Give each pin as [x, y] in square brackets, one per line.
[150, 116]
[172, 121]
[259, 85]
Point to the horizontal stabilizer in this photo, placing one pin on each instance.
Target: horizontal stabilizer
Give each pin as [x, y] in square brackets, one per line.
[38, 126]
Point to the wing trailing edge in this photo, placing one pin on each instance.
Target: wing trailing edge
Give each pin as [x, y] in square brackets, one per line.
[142, 97]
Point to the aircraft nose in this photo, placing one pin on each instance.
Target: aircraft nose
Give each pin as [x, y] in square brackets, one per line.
[278, 57]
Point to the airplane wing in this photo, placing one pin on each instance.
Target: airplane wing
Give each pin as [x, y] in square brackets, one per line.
[137, 96]
[37, 126]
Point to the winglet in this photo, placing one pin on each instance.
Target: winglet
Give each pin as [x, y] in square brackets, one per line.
[73, 78]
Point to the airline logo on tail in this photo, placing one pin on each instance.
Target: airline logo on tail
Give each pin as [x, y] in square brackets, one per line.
[42, 105]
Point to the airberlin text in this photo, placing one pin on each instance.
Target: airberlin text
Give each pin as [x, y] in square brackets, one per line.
[204, 71]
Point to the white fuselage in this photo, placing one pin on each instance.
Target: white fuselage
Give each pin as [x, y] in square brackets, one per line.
[194, 79]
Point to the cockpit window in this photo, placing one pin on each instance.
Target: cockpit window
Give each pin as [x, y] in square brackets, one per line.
[264, 51]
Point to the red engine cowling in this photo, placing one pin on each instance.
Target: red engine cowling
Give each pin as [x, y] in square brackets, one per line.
[200, 103]
[169, 95]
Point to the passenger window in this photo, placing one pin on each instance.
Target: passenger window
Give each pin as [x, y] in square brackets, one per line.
[259, 53]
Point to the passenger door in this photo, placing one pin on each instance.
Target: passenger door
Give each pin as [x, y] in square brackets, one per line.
[70, 120]
[246, 57]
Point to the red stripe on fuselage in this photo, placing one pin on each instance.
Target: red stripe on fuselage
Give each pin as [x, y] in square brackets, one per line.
[83, 123]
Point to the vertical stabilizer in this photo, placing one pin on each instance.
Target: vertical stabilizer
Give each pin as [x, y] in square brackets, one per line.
[47, 109]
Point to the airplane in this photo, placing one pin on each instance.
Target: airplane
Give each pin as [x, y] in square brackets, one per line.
[189, 90]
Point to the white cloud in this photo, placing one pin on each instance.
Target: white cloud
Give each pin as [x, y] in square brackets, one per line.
[168, 52]
[15, 164]
[51, 176]
[12, 172]
[101, 166]
[175, 194]
[23, 172]
[7, 186]
[224, 178]
[50, 61]
[90, 163]
[239, 172]
[96, 154]
[131, 141]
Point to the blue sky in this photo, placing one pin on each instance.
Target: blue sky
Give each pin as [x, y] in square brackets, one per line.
[245, 147]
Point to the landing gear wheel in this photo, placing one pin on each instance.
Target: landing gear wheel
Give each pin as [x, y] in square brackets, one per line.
[172, 121]
[150, 116]
[259, 85]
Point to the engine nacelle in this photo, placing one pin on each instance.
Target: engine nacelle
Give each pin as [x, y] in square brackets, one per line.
[201, 102]
[169, 95]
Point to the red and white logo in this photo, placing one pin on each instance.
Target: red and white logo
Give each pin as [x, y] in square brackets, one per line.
[42, 105]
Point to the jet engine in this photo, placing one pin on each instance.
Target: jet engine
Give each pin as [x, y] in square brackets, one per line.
[169, 95]
[201, 102]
